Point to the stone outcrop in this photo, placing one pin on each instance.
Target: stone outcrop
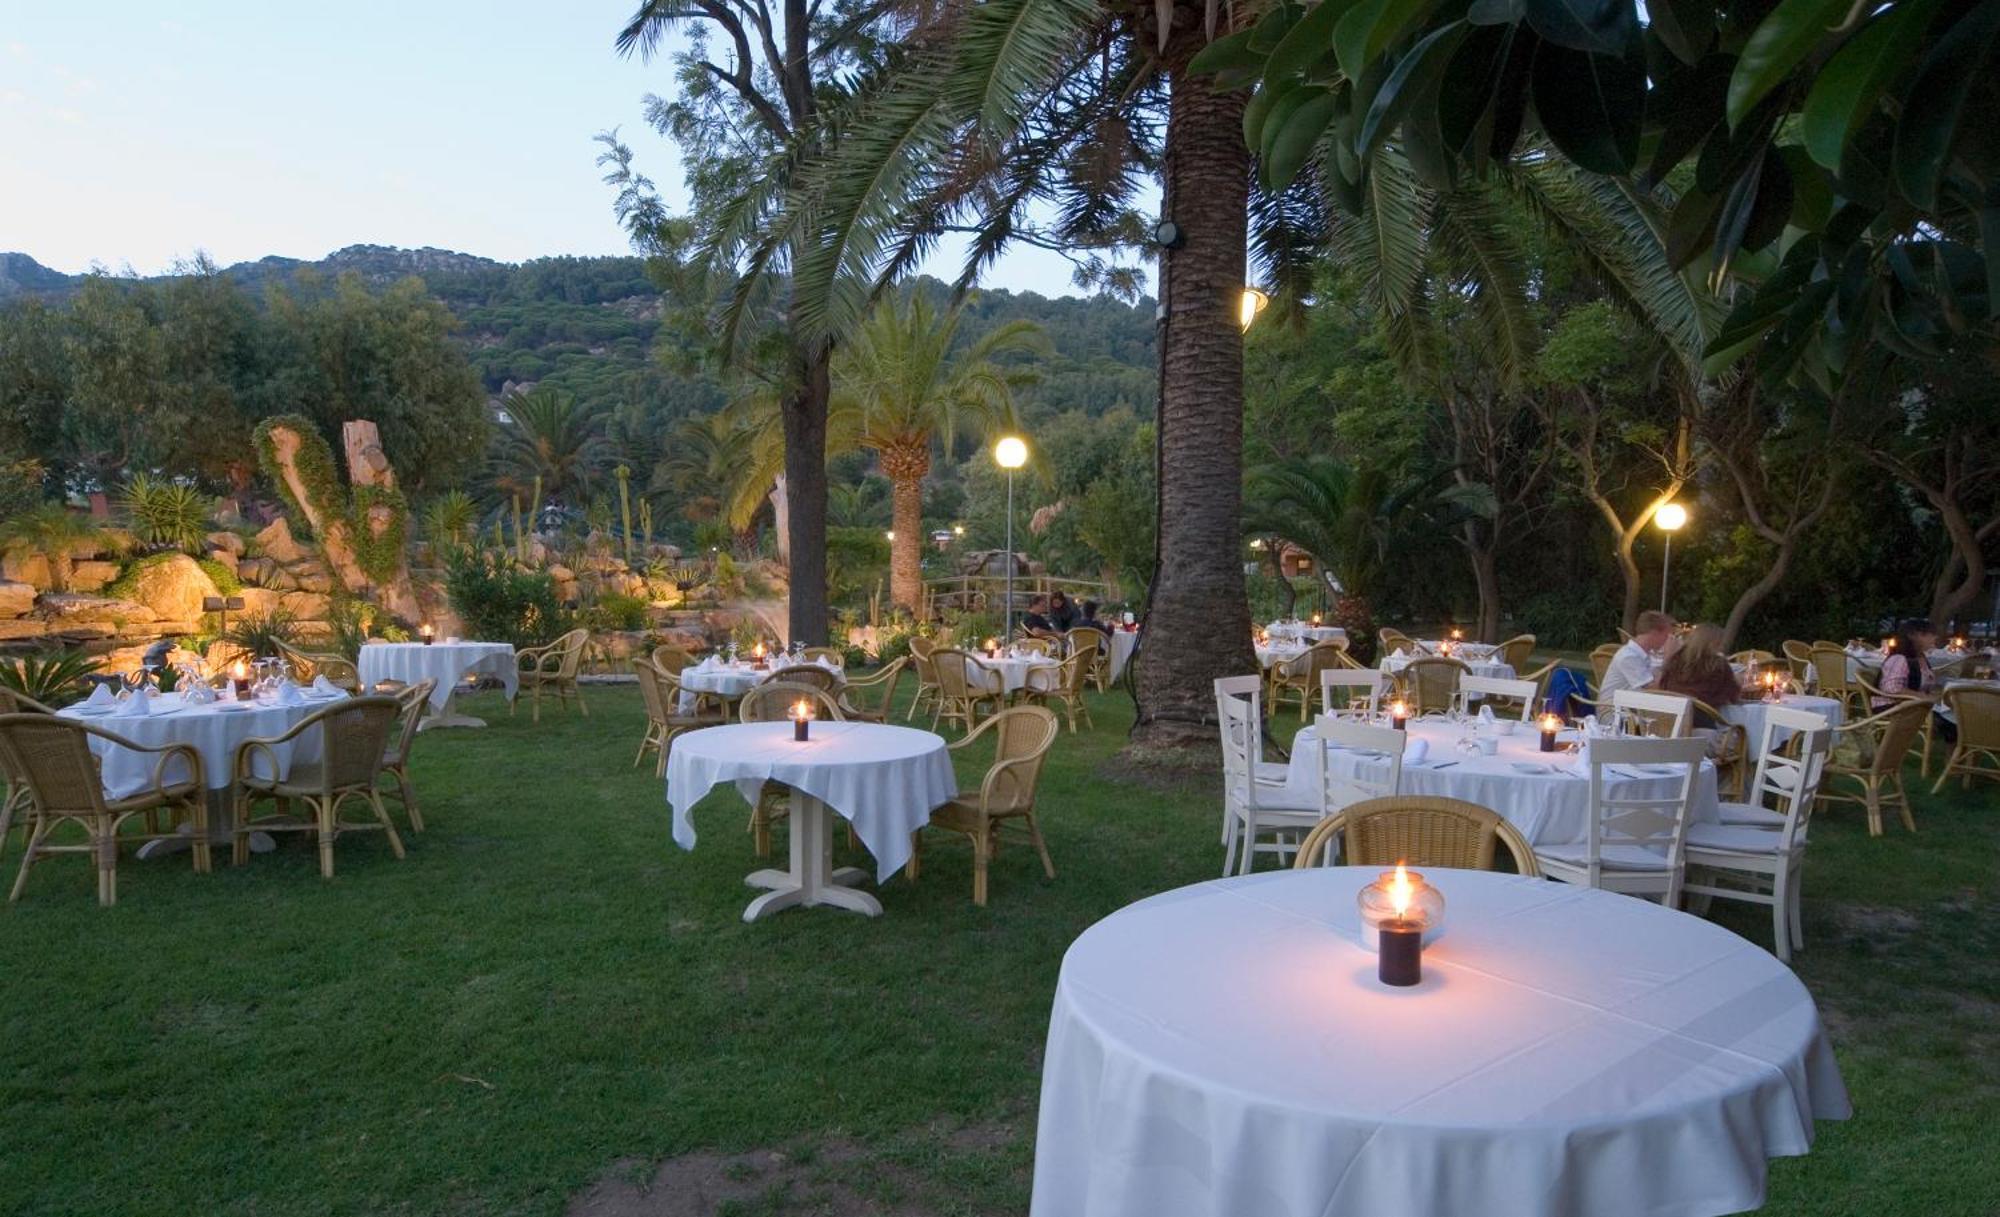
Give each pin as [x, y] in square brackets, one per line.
[17, 599]
[172, 586]
[276, 543]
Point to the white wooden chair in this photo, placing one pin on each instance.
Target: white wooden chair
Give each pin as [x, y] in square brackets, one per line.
[1474, 689]
[1666, 715]
[1764, 865]
[1251, 688]
[1776, 769]
[1251, 807]
[1634, 843]
[1359, 690]
[1369, 781]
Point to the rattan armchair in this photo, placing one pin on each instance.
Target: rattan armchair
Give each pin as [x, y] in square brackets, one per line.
[876, 694]
[1753, 658]
[1870, 754]
[1023, 736]
[1798, 657]
[50, 756]
[1029, 644]
[307, 666]
[411, 703]
[670, 658]
[1063, 686]
[1978, 713]
[837, 656]
[1515, 653]
[670, 711]
[1600, 663]
[921, 650]
[1419, 830]
[1728, 747]
[1430, 686]
[1300, 677]
[554, 667]
[1395, 642]
[808, 674]
[1097, 644]
[965, 687]
[14, 789]
[354, 740]
[1829, 666]
[771, 702]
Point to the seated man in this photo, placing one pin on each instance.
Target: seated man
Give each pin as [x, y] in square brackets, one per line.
[1036, 623]
[1089, 618]
[1634, 666]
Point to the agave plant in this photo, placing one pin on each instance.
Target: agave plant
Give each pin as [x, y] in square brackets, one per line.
[263, 634]
[450, 518]
[54, 678]
[167, 513]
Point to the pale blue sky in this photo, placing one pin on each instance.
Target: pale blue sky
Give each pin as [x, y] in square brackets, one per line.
[134, 134]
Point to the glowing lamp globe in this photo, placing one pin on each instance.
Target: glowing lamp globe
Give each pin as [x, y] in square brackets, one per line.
[1011, 452]
[1671, 518]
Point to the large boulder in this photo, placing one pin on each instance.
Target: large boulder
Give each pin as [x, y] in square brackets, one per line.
[17, 599]
[22, 627]
[226, 541]
[306, 606]
[259, 601]
[172, 585]
[276, 542]
[25, 566]
[92, 575]
[260, 571]
[67, 609]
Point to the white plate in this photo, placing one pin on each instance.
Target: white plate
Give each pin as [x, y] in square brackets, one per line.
[1532, 767]
[232, 707]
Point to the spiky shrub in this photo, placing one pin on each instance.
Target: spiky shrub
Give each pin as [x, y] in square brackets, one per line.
[499, 602]
[262, 633]
[54, 678]
[350, 623]
[449, 519]
[165, 512]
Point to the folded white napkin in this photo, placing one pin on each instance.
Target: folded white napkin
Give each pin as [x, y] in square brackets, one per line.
[289, 694]
[101, 696]
[1485, 716]
[200, 693]
[326, 688]
[1580, 763]
[1415, 751]
[139, 705]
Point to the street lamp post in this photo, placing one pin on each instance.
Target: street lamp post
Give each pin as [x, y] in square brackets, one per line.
[1670, 518]
[1010, 453]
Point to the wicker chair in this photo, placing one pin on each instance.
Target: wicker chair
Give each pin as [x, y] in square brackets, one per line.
[354, 741]
[1065, 687]
[835, 655]
[664, 698]
[1023, 736]
[672, 659]
[1419, 830]
[1300, 677]
[1978, 714]
[1753, 658]
[963, 688]
[1600, 663]
[1829, 667]
[1395, 642]
[771, 702]
[880, 690]
[1431, 685]
[50, 756]
[1798, 657]
[1097, 644]
[1515, 653]
[1728, 747]
[1030, 645]
[13, 788]
[554, 667]
[1870, 753]
[410, 702]
[307, 666]
[921, 650]
[808, 674]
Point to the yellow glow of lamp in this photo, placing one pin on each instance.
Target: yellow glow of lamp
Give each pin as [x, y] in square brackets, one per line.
[1011, 452]
[1671, 518]
[1252, 303]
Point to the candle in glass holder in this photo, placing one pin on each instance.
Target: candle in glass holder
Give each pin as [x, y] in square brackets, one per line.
[992, 647]
[757, 656]
[1315, 620]
[1396, 911]
[427, 632]
[1550, 725]
[1399, 715]
[802, 716]
[239, 679]
[1457, 634]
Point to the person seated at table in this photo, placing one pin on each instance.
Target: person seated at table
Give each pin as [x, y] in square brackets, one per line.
[1632, 666]
[1035, 623]
[1699, 669]
[1088, 619]
[1062, 614]
[1906, 669]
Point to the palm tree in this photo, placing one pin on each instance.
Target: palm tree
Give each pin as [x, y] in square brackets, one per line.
[715, 462]
[899, 387]
[547, 434]
[56, 533]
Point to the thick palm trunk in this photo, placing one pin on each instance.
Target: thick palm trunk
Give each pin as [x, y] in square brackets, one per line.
[905, 465]
[805, 493]
[1198, 616]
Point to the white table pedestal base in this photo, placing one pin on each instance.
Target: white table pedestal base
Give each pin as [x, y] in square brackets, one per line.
[811, 880]
[221, 832]
[449, 717]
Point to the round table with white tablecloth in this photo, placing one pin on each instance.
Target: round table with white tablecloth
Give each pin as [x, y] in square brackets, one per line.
[884, 780]
[1123, 643]
[1544, 795]
[731, 681]
[446, 662]
[1750, 715]
[1225, 1050]
[1488, 667]
[213, 730]
[1275, 654]
[1013, 671]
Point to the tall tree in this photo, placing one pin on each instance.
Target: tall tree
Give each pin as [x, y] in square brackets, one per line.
[548, 439]
[737, 116]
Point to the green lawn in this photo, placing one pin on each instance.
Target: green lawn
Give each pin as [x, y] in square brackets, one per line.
[548, 993]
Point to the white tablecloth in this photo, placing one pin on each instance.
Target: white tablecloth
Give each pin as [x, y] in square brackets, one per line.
[1225, 1050]
[884, 780]
[733, 680]
[1489, 668]
[1287, 631]
[1014, 672]
[213, 731]
[1750, 715]
[1123, 643]
[445, 662]
[1551, 808]
[1271, 654]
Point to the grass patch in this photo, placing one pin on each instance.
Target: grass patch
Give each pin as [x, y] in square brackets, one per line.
[547, 994]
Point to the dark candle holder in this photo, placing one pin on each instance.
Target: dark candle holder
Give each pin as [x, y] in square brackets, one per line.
[242, 686]
[1400, 722]
[1400, 961]
[1548, 740]
[799, 726]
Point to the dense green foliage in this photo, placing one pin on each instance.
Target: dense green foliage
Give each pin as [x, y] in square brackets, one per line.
[501, 602]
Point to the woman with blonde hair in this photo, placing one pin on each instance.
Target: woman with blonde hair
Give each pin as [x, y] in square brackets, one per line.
[1699, 669]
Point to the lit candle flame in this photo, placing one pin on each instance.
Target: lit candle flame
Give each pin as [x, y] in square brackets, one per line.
[1551, 723]
[1401, 891]
[241, 671]
[1398, 710]
[802, 709]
